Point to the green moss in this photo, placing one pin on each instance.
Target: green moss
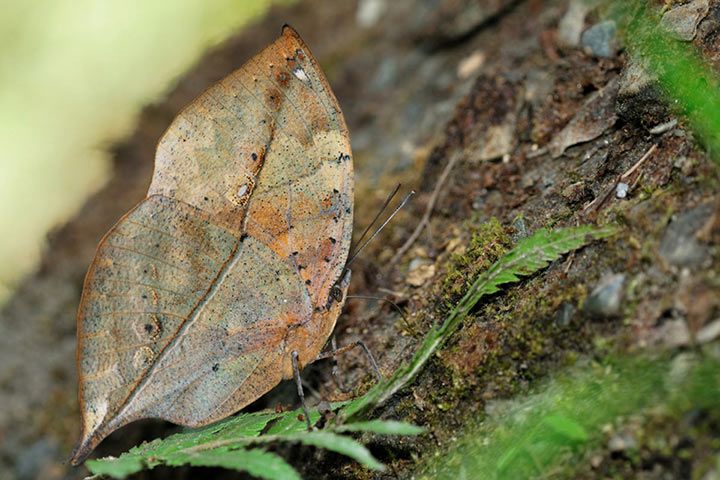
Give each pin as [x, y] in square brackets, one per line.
[502, 350]
[510, 342]
[488, 242]
[563, 429]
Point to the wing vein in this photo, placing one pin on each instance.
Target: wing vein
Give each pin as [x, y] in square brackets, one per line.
[157, 259]
[198, 247]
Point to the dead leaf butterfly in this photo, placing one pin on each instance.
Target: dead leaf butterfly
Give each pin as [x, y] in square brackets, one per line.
[197, 297]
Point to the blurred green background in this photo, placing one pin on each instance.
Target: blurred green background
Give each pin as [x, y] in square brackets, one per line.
[73, 77]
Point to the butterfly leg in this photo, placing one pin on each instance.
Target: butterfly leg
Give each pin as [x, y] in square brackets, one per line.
[336, 370]
[334, 352]
[301, 392]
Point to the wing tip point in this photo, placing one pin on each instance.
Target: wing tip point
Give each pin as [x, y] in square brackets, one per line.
[81, 452]
[287, 29]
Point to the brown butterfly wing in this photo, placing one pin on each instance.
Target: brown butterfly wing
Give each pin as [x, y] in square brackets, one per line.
[196, 298]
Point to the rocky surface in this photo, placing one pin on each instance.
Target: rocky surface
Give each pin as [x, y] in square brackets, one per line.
[540, 121]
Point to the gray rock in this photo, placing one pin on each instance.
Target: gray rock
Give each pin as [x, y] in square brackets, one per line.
[605, 300]
[682, 21]
[674, 333]
[709, 332]
[679, 246]
[600, 39]
[521, 230]
[369, 12]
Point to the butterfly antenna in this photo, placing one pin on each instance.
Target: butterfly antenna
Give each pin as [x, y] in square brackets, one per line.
[380, 212]
[379, 229]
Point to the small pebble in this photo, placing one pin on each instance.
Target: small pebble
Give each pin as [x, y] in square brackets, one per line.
[709, 332]
[606, 298]
[369, 12]
[469, 65]
[682, 21]
[600, 39]
[621, 190]
[679, 246]
[621, 442]
[674, 333]
[521, 229]
[420, 270]
[663, 127]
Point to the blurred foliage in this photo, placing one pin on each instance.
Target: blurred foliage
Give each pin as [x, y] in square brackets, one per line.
[73, 76]
[533, 437]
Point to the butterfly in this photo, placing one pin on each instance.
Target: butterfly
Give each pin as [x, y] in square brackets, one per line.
[230, 275]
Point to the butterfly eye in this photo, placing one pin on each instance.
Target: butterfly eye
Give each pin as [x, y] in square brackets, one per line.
[335, 294]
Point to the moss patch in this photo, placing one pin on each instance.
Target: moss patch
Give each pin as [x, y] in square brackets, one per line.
[488, 242]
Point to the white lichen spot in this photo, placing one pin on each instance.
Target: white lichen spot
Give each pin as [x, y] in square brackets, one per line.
[244, 190]
[301, 75]
[240, 190]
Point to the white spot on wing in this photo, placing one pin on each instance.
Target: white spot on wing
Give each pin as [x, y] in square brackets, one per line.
[301, 75]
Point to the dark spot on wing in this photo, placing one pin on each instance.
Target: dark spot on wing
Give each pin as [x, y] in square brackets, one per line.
[274, 98]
